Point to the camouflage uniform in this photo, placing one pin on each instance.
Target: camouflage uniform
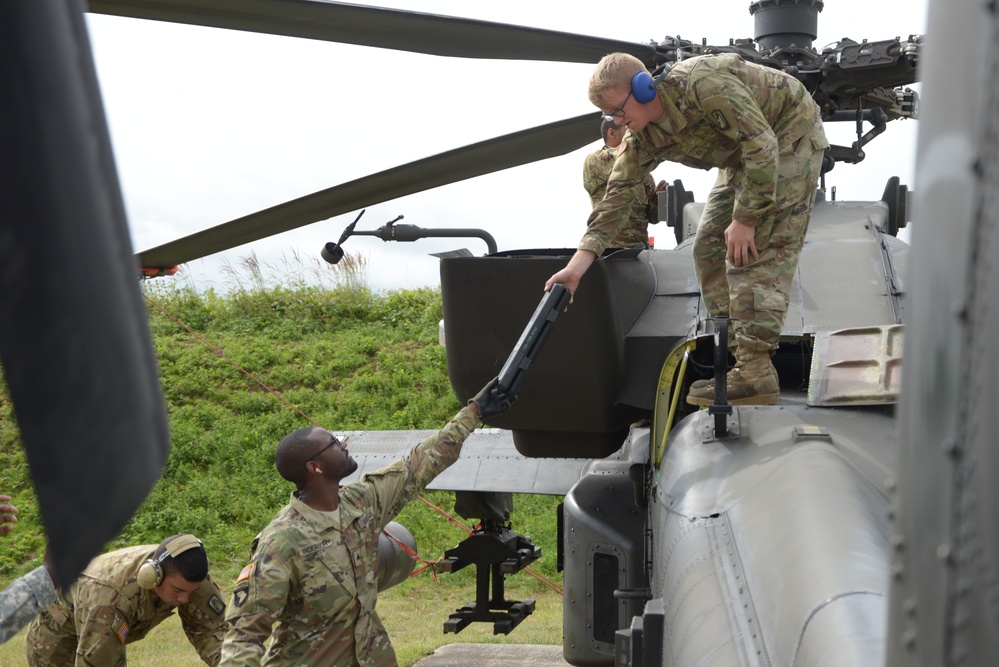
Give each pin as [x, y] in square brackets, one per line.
[761, 128]
[105, 609]
[644, 210]
[315, 573]
[24, 599]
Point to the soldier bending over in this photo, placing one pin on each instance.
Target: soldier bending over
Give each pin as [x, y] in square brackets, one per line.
[124, 594]
[762, 130]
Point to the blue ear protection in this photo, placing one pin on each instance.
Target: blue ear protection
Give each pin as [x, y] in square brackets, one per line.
[643, 86]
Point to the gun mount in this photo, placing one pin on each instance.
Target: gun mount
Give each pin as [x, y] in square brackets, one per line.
[496, 551]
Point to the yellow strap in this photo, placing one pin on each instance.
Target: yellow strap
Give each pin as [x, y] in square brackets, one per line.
[677, 357]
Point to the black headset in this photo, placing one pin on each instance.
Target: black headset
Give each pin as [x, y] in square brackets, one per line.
[643, 86]
[151, 572]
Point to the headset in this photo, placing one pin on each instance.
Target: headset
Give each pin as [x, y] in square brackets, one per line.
[643, 86]
[151, 572]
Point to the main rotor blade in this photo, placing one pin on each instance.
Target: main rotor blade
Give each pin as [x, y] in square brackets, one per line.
[485, 157]
[432, 34]
[74, 334]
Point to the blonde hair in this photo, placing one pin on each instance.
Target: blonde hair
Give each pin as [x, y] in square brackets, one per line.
[614, 72]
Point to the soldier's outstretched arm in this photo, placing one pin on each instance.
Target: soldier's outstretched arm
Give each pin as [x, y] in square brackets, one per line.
[389, 489]
[25, 598]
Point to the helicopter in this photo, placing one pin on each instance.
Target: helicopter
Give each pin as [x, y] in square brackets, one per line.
[643, 332]
[767, 535]
[226, 87]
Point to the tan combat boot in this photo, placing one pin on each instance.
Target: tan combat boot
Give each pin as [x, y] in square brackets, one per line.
[732, 350]
[753, 381]
[709, 385]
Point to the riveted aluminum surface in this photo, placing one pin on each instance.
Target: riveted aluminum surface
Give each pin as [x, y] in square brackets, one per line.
[489, 461]
[841, 279]
[772, 548]
[945, 571]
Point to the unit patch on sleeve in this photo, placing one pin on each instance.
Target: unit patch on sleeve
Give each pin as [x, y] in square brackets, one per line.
[244, 573]
[240, 594]
[215, 602]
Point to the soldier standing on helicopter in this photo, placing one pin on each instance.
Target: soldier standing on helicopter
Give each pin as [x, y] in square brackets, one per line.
[762, 130]
[596, 171]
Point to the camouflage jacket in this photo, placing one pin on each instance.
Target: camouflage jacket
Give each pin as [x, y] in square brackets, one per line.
[24, 599]
[315, 574]
[721, 111]
[106, 608]
[643, 210]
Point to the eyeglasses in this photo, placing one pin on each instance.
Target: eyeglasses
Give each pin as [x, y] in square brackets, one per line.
[618, 112]
[334, 441]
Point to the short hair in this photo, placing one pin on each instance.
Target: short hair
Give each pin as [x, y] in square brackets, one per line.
[292, 453]
[192, 563]
[613, 72]
[605, 127]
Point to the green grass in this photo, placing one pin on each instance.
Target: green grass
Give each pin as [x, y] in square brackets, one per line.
[413, 613]
[344, 356]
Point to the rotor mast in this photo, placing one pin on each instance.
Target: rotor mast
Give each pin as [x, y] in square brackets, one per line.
[784, 24]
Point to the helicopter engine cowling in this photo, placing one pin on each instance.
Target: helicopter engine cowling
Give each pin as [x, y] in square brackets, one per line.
[571, 402]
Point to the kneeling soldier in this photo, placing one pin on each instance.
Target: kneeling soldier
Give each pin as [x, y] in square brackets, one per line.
[124, 594]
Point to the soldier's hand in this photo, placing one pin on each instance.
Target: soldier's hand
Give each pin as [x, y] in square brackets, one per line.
[491, 400]
[740, 240]
[570, 276]
[7, 512]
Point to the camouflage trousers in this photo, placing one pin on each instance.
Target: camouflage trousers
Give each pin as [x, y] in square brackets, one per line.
[50, 644]
[755, 297]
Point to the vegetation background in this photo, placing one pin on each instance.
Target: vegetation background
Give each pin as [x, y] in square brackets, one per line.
[246, 364]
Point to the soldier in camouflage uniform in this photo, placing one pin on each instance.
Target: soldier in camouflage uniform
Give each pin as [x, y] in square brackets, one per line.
[314, 569]
[90, 624]
[597, 169]
[761, 129]
[26, 596]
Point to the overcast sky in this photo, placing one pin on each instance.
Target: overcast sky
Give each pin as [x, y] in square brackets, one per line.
[209, 125]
